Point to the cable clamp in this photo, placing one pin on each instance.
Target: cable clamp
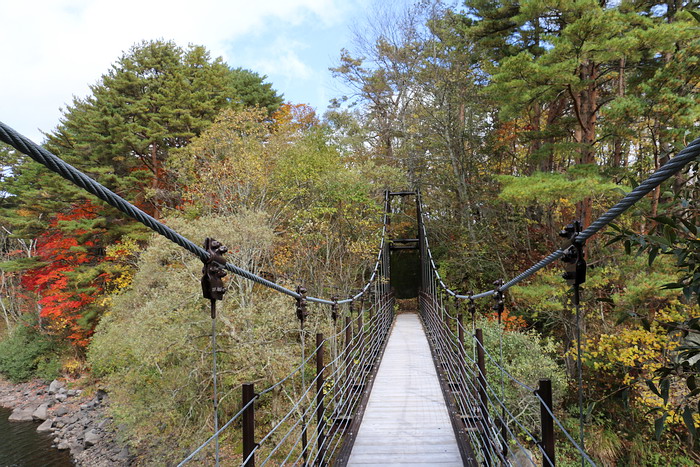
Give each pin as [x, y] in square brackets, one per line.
[334, 308]
[213, 272]
[499, 303]
[302, 312]
[574, 256]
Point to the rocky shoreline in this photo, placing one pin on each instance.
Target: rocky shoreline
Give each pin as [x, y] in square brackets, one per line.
[77, 422]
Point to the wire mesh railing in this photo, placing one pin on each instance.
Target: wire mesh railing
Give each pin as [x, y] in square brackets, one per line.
[323, 402]
[326, 405]
[495, 423]
[324, 408]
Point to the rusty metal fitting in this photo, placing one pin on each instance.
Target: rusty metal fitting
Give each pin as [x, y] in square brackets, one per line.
[334, 308]
[213, 270]
[499, 303]
[302, 312]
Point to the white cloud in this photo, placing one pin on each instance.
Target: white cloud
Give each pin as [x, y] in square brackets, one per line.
[281, 58]
[54, 49]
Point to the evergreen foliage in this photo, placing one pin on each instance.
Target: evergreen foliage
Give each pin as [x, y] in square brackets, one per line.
[512, 118]
[27, 353]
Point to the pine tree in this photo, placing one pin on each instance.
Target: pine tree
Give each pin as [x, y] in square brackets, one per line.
[156, 98]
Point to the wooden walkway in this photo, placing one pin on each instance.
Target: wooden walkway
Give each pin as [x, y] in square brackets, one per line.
[406, 420]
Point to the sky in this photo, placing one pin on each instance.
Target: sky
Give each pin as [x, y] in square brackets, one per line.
[53, 50]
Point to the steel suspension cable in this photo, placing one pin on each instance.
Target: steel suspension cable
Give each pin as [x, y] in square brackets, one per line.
[70, 173]
[689, 154]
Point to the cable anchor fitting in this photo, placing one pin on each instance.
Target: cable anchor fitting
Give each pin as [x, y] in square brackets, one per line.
[472, 304]
[213, 273]
[302, 312]
[334, 309]
[574, 256]
[499, 302]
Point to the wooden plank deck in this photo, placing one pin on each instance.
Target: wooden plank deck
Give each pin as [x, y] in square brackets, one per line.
[406, 421]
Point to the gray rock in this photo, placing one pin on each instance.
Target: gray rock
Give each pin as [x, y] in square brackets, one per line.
[62, 391]
[41, 412]
[61, 397]
[55, 386]
[71, 393]
[522, 457]
[61, 411]
[45, 427]
[123, 454]
[63, 445]
[92, 438]
[21, 415]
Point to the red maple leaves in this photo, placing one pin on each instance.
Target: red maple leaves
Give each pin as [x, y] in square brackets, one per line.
[64, 290]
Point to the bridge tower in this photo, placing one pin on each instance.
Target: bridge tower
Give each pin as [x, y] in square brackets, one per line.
[404, 245]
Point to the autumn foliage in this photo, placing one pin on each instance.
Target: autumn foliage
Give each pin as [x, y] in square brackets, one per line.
[63, 295]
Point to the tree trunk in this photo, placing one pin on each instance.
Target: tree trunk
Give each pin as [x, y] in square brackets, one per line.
[536, 144]
[156, 182]
[586, 109]
[617, 149]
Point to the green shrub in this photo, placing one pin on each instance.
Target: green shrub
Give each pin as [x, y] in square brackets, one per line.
[26, 353]
[152, 348]
[527, 357]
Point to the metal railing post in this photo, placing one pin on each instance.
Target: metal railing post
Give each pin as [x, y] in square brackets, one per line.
[248, 424]
[320, 423]
[460, 333]
[348, 340]
[483, 397]
[547, 422]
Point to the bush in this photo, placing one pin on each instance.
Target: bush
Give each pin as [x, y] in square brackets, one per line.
[527, 357]
[27, 353]
[152, 349]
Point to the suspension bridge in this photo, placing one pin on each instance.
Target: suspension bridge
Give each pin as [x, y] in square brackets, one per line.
[388, 386]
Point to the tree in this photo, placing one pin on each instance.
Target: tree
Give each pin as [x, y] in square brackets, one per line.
[250, 90]
[156, 98]
[65, 277]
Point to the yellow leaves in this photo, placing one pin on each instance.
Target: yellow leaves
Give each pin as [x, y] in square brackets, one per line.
[631, 348]
[26, 212]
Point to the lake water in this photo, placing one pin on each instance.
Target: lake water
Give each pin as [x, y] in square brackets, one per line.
[22, 446]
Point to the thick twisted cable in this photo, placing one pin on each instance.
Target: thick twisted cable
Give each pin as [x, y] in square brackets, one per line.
[70, 173]
[67, 171]
[687, 155]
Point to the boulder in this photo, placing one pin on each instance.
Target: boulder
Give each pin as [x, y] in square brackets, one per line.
[91, 438]
[41, 412]
[21, 415]
[55, 386]
[522, 457]
[45, 427]
[61, 397]
[61, 411]
[123, 455]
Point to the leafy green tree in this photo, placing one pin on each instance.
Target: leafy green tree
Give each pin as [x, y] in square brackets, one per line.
[250, 90]
[156, 98]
